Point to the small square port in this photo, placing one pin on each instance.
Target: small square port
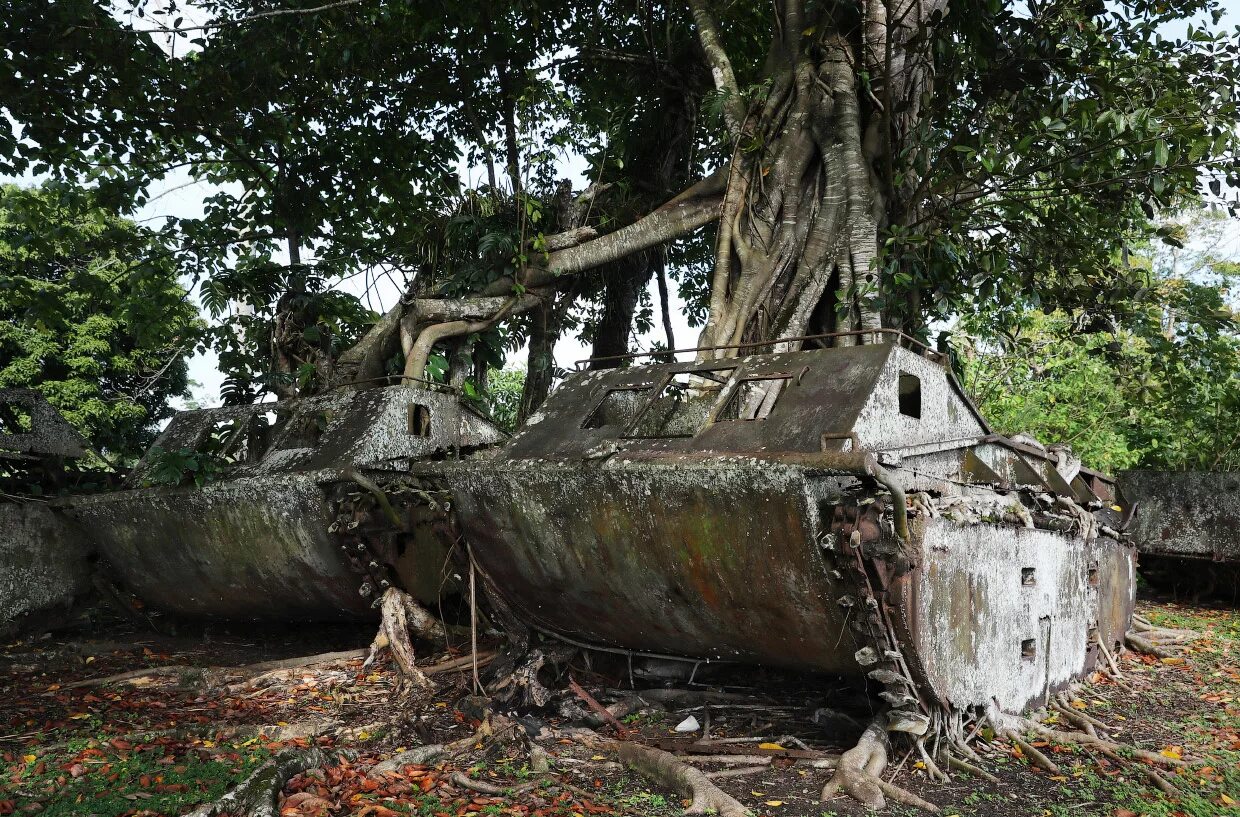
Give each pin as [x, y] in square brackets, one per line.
[1027, 577]
[1092, 576]
[1028, 649]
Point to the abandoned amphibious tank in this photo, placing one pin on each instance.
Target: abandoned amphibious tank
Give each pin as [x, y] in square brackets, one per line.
[307, 510]
[44, 560]
[1187, 532]
[844, 510]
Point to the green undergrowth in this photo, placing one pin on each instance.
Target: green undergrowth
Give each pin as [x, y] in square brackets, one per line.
[89, 777]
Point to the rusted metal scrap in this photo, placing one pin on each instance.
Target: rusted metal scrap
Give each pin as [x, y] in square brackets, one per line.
[44, 561]
[311, 511]
[1188, 530]
[841, 510]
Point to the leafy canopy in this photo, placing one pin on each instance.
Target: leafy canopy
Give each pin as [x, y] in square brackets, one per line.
[91, 315]
[1163, 392]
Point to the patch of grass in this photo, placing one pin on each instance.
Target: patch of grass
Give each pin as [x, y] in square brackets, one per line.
[111, 783]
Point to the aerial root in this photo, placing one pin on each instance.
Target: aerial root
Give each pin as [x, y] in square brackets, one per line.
[667, 771]
[858, 774]
[932, 769]
[401, 615]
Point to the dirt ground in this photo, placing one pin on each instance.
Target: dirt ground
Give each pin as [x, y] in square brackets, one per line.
[200, 712]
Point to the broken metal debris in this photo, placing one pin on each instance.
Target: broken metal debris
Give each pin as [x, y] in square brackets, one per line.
[843, 510]
[312, 512]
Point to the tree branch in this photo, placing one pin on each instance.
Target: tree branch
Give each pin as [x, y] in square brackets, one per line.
[665, 224]
[720, 66]
[240, 20]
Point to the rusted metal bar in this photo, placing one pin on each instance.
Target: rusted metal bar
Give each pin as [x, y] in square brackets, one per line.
[580, 364]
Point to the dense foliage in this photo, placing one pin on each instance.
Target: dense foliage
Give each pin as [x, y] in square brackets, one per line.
[92, 315]
[1163, 391]
[436, 144]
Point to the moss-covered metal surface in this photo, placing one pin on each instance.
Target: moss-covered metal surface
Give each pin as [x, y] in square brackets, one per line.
[44, 566]
[312, 513]
[864, 520]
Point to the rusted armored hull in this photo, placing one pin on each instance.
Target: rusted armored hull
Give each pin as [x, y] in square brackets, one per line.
[246, 548]
[1187, 530]
[777, 564]
[841, 510]
[44, 566]
[312, 514]
[45, 560]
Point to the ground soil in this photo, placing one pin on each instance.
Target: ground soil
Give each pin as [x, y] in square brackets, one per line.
[165, 742]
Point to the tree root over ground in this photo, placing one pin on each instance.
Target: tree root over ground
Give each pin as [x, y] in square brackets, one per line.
[401, 615]
[256, 795]
[858, 773]
[667, 771]
[1160, 642]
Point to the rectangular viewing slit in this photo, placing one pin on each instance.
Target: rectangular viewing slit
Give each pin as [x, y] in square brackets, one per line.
[682, 405]
[1092, 575]
[619, 407]
[1029, 649]
[910, 395]
[753, 398]
[1028, 577]
[419, 420]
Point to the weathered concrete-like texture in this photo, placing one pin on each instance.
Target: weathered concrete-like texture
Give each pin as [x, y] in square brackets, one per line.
[1015, 613]
[47, 435]
[242, 548]
[294, 527]
[1189, 514]
[650, 509]
[44, 566]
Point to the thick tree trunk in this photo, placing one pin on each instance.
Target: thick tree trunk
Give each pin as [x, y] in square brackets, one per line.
[798, 234]
[540, 360]
[622, 291]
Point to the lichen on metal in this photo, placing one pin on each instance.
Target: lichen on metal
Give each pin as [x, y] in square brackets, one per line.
[747, 510]
[44, 559]
[1187, 530]
[312, 514]
[30, 425]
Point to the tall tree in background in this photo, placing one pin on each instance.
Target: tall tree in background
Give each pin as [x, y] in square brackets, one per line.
[853, 166]
[89, 318]
[1160, 389]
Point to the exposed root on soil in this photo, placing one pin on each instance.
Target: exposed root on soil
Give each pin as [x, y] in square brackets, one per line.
[666, 770]
[401, 615]
[858, 773]
[976, 771]
[466, 782]
[256, 795]
[1160, 642]
[1013, 728]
